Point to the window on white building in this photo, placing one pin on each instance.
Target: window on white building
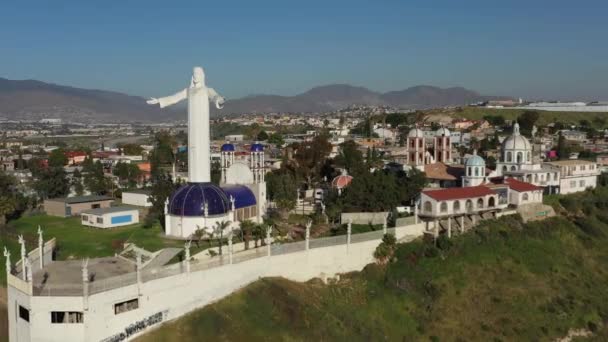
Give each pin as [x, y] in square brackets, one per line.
[573, 184]
[443, 207]
[66, 317]
[456, 206]
[24, 313]
[100, 220]
[525, 197]
[509, 157]
[428, 207]
[126, 306]
[581, 183]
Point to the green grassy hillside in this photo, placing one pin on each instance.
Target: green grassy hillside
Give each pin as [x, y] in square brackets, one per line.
[505, 281]
[546, 117]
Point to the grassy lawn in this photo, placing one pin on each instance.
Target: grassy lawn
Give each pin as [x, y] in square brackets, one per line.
[504, 281]
[475, 113]
[76, 241]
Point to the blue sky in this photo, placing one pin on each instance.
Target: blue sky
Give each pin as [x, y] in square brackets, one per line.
[549, 49]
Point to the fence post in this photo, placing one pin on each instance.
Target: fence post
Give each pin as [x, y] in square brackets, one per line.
[268, 239]
[40, 247]
[349, 230]
[138, 258]
[230, 244]
[7, 255]
[85, 283]
[187, 255]
[22, 243]
[415, 213]
[385, 224]
[308, 225]
[449, 226]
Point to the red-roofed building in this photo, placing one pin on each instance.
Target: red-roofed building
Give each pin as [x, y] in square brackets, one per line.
[523, 193]
[75, 157]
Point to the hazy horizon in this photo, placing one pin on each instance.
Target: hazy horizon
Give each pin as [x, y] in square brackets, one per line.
[547, 50]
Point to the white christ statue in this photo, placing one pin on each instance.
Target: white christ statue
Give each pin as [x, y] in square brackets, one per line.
[198, 96]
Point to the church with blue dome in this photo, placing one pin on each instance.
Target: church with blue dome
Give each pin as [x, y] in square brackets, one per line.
[240, 196]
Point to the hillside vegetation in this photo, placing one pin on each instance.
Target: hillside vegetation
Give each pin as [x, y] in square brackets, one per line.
[545, 117]
[504, 281]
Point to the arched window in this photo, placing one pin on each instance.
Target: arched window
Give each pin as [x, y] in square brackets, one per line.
[491, 202]
[456, 206]
[443, 207]
[428, 207]
[513, 168]
[529, 156]
[480, 203]
[420, 143]
[469, 171]
[536, 178]
[519, 157]
[469, 205]
[476, 172]
[525, 197]
[509, 157]
[412, 143]
[504, 168]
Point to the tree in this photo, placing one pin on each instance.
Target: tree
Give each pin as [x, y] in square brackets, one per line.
[351, 158]
[216, 172]
[7, 206]
[563, 149]
[131, 149]
[77, 183]
[57, 158]
[276, 139]
[282, 189]
[94, 178]
[262, 136]
[161, 190]
[218, 232]
[52, 183]
[386, 249]
[526, 121]
[198, 235]
[247, 227]
[128, 174]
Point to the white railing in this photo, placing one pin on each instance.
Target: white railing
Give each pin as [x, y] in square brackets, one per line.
[146, 275]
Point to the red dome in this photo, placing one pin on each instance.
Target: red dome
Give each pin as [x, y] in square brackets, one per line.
[341, 181]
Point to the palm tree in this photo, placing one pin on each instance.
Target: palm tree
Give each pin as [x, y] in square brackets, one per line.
[218, 231]
[198, 235]
[7, 206]
[247, 227]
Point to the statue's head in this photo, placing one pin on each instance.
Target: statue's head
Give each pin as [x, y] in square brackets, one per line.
[198, 75]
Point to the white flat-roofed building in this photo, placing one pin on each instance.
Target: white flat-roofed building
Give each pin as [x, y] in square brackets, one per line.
[109, 217]
[140, 198]
[576, 175]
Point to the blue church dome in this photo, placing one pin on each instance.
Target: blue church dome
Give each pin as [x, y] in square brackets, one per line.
[257, 147]
[475, 160]
[189, 200]
[243, 196]
[227, 148]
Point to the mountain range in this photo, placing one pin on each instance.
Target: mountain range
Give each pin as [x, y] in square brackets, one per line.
[31, 99]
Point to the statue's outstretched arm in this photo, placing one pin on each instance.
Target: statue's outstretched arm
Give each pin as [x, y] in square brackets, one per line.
[169, 100]
[215, 97]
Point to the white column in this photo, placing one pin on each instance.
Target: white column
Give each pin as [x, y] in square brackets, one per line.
[198, 136]
[308, 225]
[85, 282]
[230, 233]
[268, 242]
[385, 224]
[7, 255]
[435, 228]
[415, 212]
[349, 230]
[462, 224]
[449, 226]
[40, 247]
[22, 243]
[187, 255]
[138, 270]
